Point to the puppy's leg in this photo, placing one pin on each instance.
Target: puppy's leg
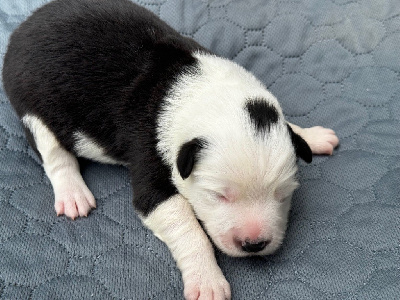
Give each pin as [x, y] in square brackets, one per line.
[321, 140]
[174, 222]
[72, 196]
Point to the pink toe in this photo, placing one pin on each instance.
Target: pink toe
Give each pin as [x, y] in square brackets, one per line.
[83, 208]
[71, 210]
[59, 206]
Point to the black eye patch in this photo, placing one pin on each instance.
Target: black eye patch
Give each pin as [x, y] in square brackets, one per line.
[262, 114]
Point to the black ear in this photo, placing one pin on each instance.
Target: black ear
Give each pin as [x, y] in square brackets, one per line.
[188, 156]
[300, 146]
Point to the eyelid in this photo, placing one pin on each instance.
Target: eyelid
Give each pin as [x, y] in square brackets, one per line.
[222, 197]
[219, 195]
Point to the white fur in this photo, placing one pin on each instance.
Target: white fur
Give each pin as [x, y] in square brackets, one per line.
[260, 170]
[174, 223]
[72, 197]
[88, 148]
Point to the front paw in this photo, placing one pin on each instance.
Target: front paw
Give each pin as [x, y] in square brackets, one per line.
[206, 285]
[73, 201]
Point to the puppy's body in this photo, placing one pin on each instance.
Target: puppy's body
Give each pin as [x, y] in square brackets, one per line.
[109, 81]
[98, 71]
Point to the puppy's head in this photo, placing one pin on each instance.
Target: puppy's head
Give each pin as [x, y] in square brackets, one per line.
[240, 178]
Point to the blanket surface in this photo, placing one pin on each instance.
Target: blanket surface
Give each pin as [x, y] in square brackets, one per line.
[334, 63]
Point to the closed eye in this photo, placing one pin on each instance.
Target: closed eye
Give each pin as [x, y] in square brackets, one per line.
[219, 196]
[222, 197]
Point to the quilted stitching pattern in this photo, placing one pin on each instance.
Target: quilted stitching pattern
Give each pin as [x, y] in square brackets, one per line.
[330, 62]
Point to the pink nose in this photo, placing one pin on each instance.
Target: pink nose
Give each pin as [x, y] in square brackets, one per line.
[250, 237]
[251, 231]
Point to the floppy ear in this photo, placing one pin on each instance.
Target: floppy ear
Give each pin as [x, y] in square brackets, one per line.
[300, 146]
[188, 156]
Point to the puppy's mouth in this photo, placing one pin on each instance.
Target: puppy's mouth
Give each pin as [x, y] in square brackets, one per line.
[232, 246]
[236, 248]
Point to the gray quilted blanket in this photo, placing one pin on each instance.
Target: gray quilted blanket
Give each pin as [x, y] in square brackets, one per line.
[334, 63]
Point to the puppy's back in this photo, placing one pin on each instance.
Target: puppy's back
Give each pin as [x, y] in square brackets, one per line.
[101, 66]
[81, 48]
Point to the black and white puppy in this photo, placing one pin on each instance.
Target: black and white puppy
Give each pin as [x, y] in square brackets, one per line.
[202, 137]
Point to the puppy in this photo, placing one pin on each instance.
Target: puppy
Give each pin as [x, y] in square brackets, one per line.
[202, 137]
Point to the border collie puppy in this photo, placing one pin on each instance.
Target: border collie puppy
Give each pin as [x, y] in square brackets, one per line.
[202, 137]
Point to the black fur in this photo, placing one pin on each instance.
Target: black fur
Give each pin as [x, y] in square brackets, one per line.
[102, 68]
[188, 156]
[300, 146]
[262, 114]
